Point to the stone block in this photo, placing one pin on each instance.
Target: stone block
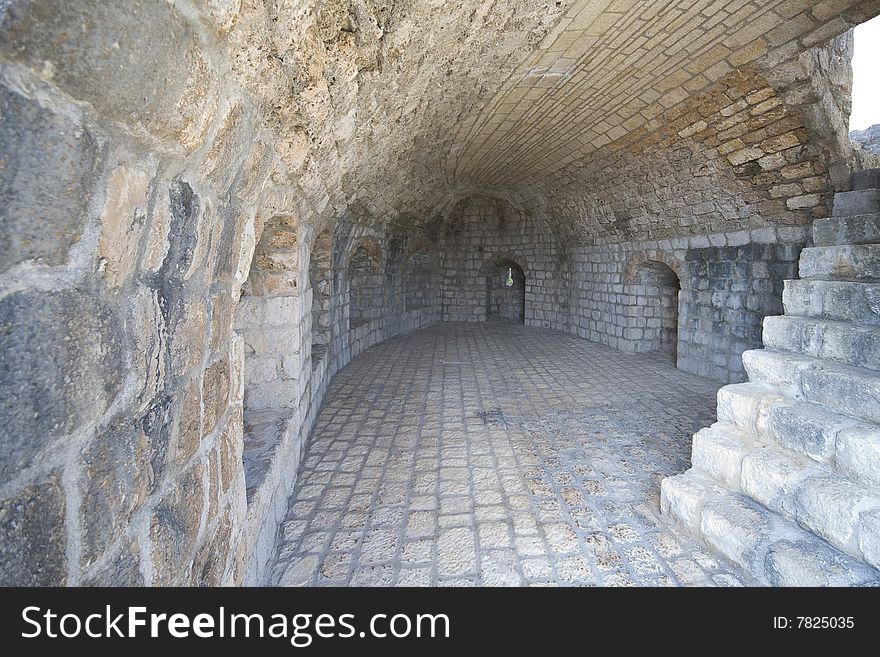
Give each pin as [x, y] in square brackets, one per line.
[844, 301]
[810, 562]
[845, 262]
[806, 429]
[116, 481]
[829, 506]
[719, 452]
[174, 528]
[770, 477]
[32, 536]
[738, 529]
[62, 368]
[858, 452]
[869, 537]
[215, 394]
[139, 64]
[50, 168]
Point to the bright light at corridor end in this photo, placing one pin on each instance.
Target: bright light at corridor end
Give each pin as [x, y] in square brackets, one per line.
[866, 76]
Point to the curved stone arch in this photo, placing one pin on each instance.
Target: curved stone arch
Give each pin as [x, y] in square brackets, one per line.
[635, 261]
[497, 258]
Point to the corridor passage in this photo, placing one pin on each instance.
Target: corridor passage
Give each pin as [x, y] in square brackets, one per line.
[497, 454]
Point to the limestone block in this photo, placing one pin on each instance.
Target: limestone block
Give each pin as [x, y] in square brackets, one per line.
[811, 562]
[188, 340]
[116, 481]
[260, 370]
[122, 223]
[32, 536]
[737, 529]
[847, 262]
[282, 311]
[806, 429]
[50, 166]
[174, 526]
[829, 506]
[858, 452]
[769, 477]
[274, 394]
[62, 368]
[682, 498]
[121, 569]
[869, 537]
[188, 434]
[857, 229]
[719, 453]
[215, 394]
[139, 64]
[845, 301]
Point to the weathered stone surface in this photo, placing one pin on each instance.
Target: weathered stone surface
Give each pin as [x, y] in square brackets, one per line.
[47, 177]
[210, 560]
[126, 77]
[121, 569]
[32, 536]
[189, 424]
[61, 368]
[654, 201]
[122, 223]
[116, 481]
[215, 394]
[174, 527]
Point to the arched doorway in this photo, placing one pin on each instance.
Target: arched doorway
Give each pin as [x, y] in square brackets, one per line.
[656, 287]
[506, 292]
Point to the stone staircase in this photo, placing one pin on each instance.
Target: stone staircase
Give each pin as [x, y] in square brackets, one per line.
[787, 482]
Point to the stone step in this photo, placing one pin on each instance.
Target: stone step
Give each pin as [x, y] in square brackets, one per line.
[857, 229]
[850, 344]
[849, 446]
[859, 201]
[866, 179]
[844, 262]
[842, 388]
[842, 301]
[844, 512]
[841, 511]
[773, 549]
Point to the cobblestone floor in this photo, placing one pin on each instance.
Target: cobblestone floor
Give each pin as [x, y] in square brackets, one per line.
[493, 454]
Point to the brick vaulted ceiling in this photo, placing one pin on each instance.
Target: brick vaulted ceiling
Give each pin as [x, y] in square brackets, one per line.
[401, 108]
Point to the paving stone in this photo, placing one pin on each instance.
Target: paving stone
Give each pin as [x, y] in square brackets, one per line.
[496, 481]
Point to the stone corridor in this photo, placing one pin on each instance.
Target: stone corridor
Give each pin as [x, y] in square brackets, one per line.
[497, 454]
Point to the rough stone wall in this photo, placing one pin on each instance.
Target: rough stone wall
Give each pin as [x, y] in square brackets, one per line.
[729, 283]
[479, 232]
[366, 285]
[422, 280]
[145, 144]
[131, 177]
[732, 157]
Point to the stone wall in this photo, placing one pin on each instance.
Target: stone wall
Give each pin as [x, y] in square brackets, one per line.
[122, 380]
[729, 282]
[481, 231]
